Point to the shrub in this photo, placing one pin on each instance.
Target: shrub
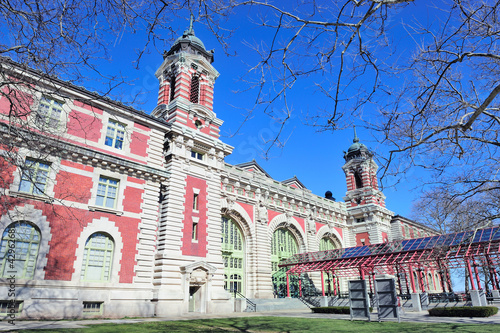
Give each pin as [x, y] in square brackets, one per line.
[334, 309]
[464, 311]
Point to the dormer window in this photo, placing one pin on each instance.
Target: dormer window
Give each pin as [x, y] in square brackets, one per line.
[195, 89]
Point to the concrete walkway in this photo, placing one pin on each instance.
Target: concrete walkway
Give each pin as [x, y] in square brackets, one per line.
[422, 317]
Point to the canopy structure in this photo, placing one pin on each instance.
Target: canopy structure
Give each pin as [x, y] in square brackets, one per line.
[471, 249]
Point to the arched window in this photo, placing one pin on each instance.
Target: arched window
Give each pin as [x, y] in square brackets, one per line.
[283, 245]
[326, 243]
[97, 258]
[358, 179]
[233, 255]
[23, 241]
[195, 89]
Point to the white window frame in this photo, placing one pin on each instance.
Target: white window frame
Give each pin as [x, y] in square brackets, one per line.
[116, 127]
[122, 184]
[52, 105]
[102, 225]
[34, 216]
[129, 127]
[54, 166]
[196, 155]
[87, 259]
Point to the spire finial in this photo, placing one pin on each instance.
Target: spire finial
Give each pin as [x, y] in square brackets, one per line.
[356, 139]
[190, 31]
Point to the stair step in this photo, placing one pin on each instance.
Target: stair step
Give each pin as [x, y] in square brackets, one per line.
[276, 304]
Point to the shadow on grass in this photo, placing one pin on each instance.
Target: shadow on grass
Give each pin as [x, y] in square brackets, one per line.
[279, 324]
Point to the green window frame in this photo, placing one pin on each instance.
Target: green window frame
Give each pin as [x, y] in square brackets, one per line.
[34, 176]
[97, 258]
[19, 250]
[115, 134]
[326, 243]
[283, 246]
[49, 113]
[233, 255]
[107, 192]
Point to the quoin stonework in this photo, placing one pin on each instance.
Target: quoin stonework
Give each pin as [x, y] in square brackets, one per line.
[116, 212]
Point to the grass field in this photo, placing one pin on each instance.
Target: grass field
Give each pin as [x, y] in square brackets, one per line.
[279, 324]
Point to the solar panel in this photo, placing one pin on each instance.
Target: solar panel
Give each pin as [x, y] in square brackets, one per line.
[425, 243]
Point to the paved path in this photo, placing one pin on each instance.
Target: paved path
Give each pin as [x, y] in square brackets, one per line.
[422, 317]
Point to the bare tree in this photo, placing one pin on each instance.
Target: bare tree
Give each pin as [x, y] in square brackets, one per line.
[433, 101]
[424, 82]
[447, 212]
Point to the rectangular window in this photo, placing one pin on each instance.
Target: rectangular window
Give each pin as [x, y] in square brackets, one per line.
[34, 177]
[195, 201]
[197, 155]
[115, 135]
[195, 231]
[107, 191]
[92, 307]
[10, 306]
[49, 113]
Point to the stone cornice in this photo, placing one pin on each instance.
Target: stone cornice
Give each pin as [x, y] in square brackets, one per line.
[265, 187]
[69, 151]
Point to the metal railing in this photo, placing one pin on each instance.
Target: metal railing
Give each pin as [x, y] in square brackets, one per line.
[251, 306]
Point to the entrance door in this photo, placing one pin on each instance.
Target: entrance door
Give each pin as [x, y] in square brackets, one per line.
[195, 299]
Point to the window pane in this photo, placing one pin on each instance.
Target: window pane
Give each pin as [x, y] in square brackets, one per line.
[26, 239]
[98, 252]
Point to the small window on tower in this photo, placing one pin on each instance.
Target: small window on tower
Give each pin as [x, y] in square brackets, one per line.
[198, 124]
[172, 87]
[194, 235]
[195, 201]
[357, 178]
[195, 89]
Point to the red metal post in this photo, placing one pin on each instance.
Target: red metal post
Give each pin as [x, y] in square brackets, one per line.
[300, 287]
[287, 285]
[478, 278]
[473, 286]
[334, 282]
[443, 285]
[412, 279]
[322, 284]
[362, 273]
[421, 280]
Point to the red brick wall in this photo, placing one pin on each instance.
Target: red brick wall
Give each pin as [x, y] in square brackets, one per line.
[21, 103]
[189, 246]
[248, 208]
[88, 107]
[66, 226]
[84, 126]
[362, 235]
[139, 144]
[73, 187]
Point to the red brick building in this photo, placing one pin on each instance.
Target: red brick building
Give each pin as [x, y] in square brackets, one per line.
[116, 212]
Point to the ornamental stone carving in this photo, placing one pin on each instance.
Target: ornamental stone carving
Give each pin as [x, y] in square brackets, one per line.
[262, 215]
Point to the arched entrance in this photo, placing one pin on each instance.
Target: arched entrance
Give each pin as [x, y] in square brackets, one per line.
[233, 255]
[283, 245]
[331, 282]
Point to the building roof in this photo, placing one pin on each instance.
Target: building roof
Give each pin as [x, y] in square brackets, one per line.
[253, 166]
[294, 181]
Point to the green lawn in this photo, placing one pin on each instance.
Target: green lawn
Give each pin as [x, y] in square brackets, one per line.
[279, 324]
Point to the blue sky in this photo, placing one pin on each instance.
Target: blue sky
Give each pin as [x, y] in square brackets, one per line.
[314, 157]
